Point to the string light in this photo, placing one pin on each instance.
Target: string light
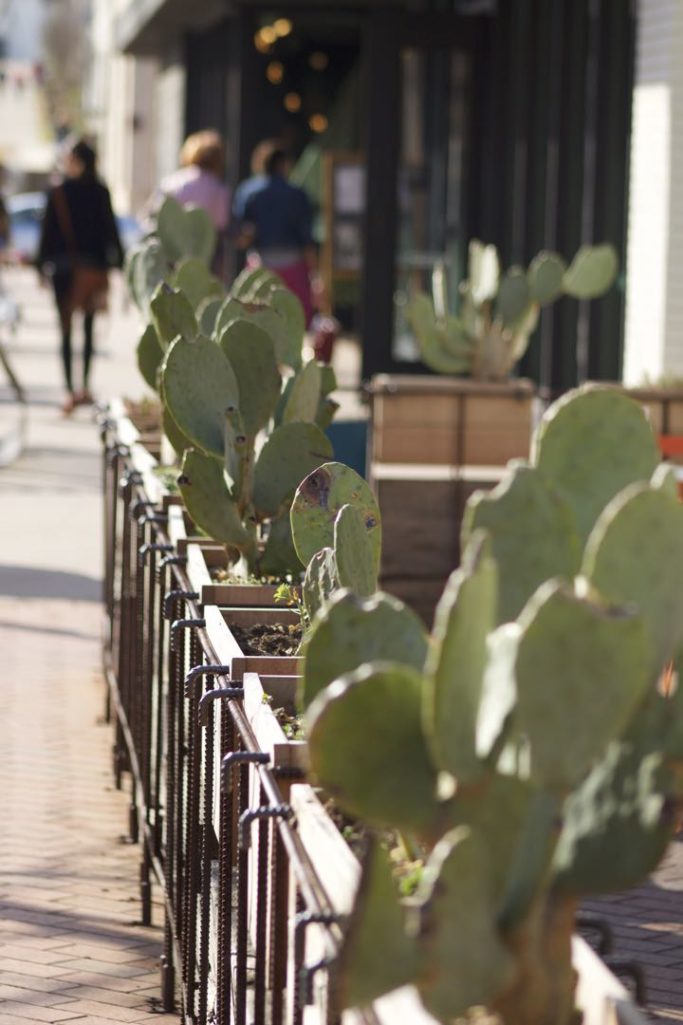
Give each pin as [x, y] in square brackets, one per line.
[282, 27]
[317, 123]
[292, 102]
[318, 60]
[275, 72]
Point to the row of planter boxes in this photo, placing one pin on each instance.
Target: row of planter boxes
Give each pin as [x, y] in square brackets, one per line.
[255, 876]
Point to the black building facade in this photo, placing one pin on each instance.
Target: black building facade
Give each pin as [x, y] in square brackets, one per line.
[507, 121]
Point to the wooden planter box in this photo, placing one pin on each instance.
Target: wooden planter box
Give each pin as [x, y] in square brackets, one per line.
[281, 690]
[433, 442]
[601, 997]
[218, 623]
[449, 421]
[205, 556]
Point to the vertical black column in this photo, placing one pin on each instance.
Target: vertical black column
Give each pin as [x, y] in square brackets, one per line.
[382, 126]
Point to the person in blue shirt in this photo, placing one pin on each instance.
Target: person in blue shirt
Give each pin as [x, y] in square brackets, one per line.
[275, 220]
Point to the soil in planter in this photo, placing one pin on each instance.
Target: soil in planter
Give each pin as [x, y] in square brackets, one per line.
[268, 639]
[407, 870]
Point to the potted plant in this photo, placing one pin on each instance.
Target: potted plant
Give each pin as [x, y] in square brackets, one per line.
[451, 433]
[534, 755]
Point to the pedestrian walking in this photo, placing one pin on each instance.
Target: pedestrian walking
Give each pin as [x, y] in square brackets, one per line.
[275, 221]
[199, 182]
[79, 244]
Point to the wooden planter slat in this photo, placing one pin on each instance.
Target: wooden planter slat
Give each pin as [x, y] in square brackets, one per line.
[450, 420]
[204, 556]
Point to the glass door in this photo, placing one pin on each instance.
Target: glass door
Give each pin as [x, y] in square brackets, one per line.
[435, 86]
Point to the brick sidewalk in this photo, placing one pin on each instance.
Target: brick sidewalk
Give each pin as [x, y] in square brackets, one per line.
[70, 945]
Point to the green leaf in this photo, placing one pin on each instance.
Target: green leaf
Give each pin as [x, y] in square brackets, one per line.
[376, 955]
[208, 500]
[383, 775]
[591, 444]
[304, 396]
[199, 386]
[466, 963]
[592, 272]
[465, 615]
[513, 296]
[354, 552]
[581, 671]
[185, 231]
[149, 356]
[251, 355]
[317, 502]
[290, 454]
[351, 631]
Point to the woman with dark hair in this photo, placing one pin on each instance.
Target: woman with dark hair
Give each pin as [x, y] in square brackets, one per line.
[79, 243]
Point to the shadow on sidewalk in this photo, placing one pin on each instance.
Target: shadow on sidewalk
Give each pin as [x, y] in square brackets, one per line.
[25, 582]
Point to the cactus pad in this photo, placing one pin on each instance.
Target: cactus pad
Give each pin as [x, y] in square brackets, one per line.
[385, 776]
[304, 395]
[532, 531]
[466, 964]
[591, 272]
[208, 500]
[354, 552]
[199, 385]
[591, 444]
[351, 631]
[290, 453]
[376, 955]
[635, 556]
[545, 276]
[317, 503]
[194, 279]
[149, 356]
[320, 581]
[513, 297]
[172, 315]
[581, 671]
[185, 231]
[252, 357]
[457, 659]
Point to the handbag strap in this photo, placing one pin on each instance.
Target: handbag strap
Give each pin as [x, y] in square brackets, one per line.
[64, 219]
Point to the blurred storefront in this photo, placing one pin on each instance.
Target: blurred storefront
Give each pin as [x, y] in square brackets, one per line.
[417, 126]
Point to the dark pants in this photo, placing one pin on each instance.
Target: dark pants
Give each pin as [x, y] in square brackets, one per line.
[62, 284]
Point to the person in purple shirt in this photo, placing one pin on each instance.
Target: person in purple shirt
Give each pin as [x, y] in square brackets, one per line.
[275, 222]
[199, 182]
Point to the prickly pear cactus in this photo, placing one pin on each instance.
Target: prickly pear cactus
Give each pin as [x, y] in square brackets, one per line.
[199, 386]
[615, 442]
[351, 631]
[317, 503]
[185, 231]
[498, 313]
[531, 762]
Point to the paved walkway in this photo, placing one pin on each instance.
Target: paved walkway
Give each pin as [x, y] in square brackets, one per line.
[70, 946]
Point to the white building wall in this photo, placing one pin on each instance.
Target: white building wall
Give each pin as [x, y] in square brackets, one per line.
[654, 292]
[122, 113]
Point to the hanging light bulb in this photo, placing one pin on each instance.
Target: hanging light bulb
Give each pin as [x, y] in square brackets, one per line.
[292, 102]
[275, 72]
[317, 123]
[282, 27]
[318, 60]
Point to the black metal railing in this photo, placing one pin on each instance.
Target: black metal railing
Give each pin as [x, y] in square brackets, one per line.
[216, 835]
